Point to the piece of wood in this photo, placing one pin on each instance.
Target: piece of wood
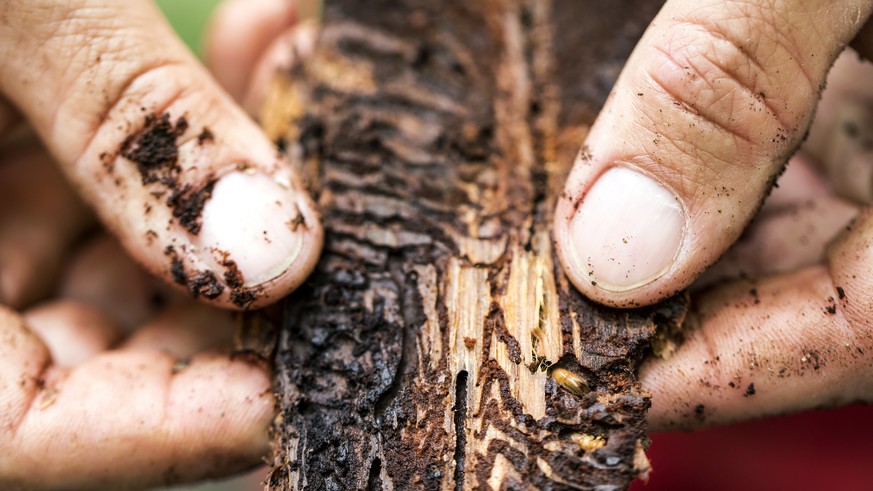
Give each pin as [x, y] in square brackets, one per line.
[438, 345]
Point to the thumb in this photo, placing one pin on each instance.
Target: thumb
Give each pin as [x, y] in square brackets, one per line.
[712, 102]
[190, 185]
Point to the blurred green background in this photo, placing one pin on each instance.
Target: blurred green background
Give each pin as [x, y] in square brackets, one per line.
[189, 18]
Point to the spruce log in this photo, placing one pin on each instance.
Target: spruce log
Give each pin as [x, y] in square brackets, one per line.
[438, 345]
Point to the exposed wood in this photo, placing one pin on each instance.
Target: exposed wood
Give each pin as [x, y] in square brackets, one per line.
[438, 345]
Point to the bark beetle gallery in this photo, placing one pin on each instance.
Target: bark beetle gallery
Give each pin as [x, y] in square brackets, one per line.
[438, 345]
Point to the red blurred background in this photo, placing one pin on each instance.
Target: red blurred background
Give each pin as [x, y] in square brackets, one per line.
[816, 450]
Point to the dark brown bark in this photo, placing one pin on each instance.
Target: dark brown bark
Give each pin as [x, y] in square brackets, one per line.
[435, 137]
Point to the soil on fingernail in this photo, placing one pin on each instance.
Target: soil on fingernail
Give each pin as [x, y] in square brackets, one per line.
[240, 296]
[154, 149]
[187, 204]
[205, 283]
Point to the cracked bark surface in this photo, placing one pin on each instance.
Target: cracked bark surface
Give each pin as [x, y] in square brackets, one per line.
[426, 350]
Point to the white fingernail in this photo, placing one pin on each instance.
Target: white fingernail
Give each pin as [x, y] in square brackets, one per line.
[254, 222]
[627, 230]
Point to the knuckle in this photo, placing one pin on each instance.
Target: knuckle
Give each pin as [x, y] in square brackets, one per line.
[706, 79]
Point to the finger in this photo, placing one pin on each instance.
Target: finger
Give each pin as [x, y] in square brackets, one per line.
[102, 275]
[184, 330]
[781, 241]
[239, 33]
[72, 332]
[40, 217]
[841, 137]
[780, 344]
[295, 43]
[791, 231]
[710, 105]
[190, 185]
[125, 419]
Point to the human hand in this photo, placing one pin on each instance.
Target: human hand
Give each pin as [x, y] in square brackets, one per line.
[195, 193]
[711, 104]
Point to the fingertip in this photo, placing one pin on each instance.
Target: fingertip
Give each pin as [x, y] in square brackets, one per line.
[145, 419]
[237, 36]
[262, 233]
[620, 236]
[295, 43]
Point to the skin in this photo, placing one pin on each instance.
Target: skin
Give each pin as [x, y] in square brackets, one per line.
[182, 410]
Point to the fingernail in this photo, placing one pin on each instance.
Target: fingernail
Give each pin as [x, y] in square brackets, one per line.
[254, 222]
[627, 230]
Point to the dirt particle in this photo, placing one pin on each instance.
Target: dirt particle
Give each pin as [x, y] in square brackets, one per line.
[187, 204]
[153, 149]
[233, 278]
[297, 222]
[755, 298]
[243, 297]
[850, 128]
[205, 136]
[108, 159]
[699, 410]
[841, 293]
[205, 283]
[812, 358]
[469, 342]
[281, 144]
[181, 364]
[177, 270]
[232, 275]
[750, 390]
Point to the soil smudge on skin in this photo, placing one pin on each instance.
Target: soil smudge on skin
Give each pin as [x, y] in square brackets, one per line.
[154, 150]
[187, 204]
[177, 268]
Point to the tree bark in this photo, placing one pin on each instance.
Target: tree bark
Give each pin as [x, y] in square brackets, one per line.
[438, 345]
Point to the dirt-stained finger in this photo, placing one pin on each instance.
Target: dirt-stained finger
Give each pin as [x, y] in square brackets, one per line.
[779, 344]
[191, 186]
[130, 419]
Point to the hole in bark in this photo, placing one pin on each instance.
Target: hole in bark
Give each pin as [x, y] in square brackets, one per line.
[374, 482]
[460, 435]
